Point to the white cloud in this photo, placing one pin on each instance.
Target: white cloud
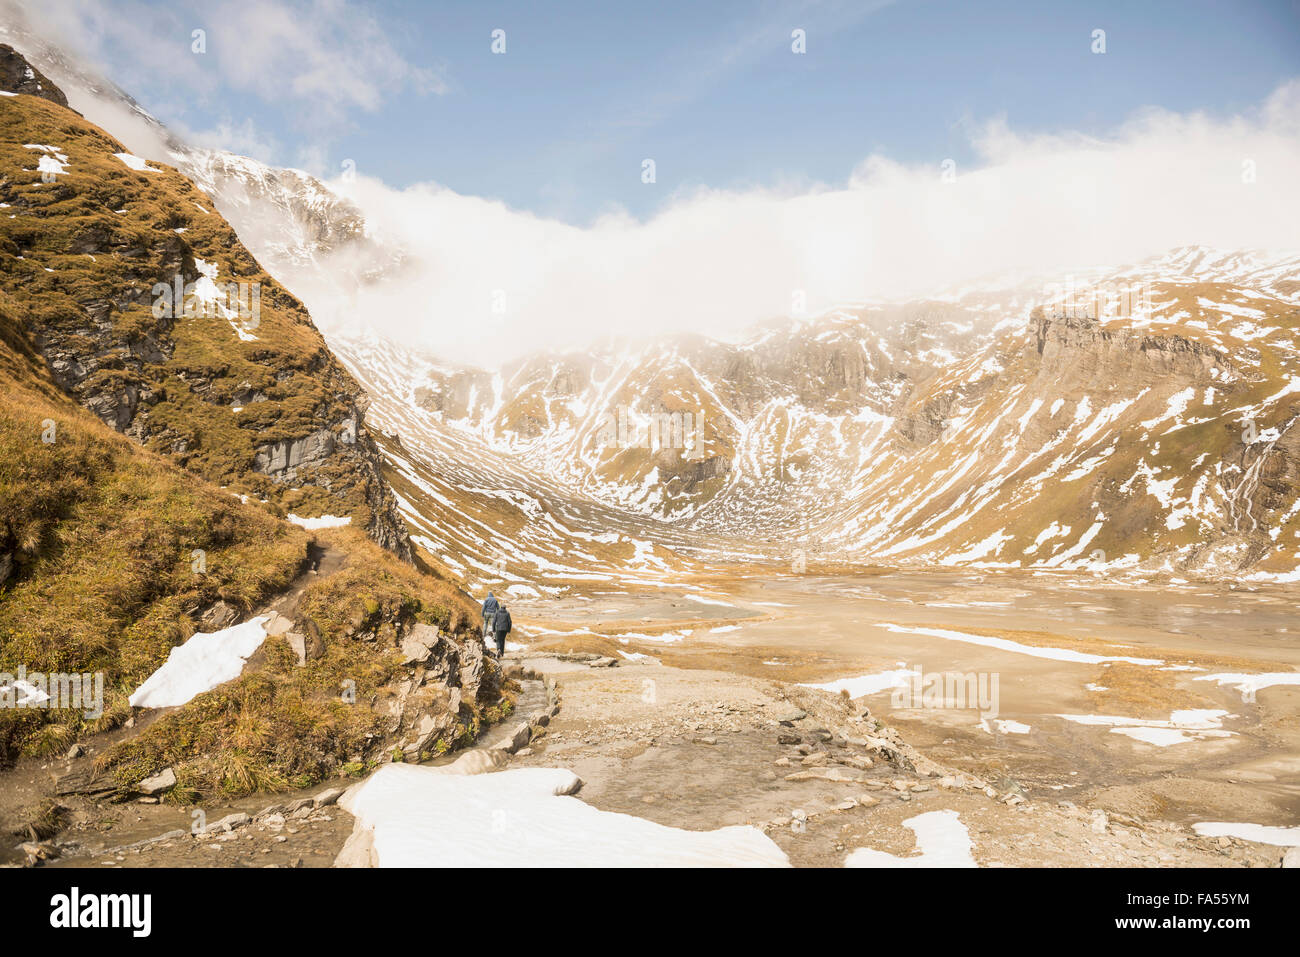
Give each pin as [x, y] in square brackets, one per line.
[329, 55]
[716, 261]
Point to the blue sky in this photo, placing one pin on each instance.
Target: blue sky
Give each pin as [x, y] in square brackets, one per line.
[560, 124]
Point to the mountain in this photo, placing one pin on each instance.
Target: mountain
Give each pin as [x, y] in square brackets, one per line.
[305, 234]
[971, 428]
[151, 312]
[1132, 418]
[183, 454]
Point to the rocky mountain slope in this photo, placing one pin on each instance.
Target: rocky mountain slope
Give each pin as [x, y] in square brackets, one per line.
[164, 404]
[966, 429]
[291, 222]
[1138, 418]
[150, 311]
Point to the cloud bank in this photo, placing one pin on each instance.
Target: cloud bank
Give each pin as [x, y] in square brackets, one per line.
[485, 283]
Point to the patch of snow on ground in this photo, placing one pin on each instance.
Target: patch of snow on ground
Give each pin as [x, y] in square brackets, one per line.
[1249, 684]
[1259, 833]
[1004, 727]
[136, 163]
[523, 818]
[205, 661]
[1195, 724]
[867, 684]
[323, 521]
[1034, 651]
[941, 838]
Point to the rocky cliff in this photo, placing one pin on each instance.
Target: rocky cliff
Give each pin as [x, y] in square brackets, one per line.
[149, 310]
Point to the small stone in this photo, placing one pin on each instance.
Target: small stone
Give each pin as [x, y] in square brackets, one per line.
[159, 783]
[835, 773]
[328, 797]
[38, 851]
[232, 821]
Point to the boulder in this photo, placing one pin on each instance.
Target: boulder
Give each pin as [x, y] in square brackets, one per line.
[219, 616]
[277, 625]
[159, 783]
[519, 736]
[414, 651]
[38, 851]
[327, 797]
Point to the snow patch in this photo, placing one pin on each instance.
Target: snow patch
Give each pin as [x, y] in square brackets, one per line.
[941, 838]
[421, 817]
[208, 659]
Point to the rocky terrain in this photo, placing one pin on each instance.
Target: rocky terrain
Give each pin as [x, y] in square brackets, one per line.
[996, 430]
[821, 777]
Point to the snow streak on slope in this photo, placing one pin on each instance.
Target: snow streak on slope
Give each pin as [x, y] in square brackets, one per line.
[961, 432]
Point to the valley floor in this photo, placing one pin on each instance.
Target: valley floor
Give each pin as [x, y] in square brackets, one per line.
[692, 708]
[699, 750]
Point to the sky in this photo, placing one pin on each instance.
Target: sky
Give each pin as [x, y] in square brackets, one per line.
[912, 147]
[561, 122]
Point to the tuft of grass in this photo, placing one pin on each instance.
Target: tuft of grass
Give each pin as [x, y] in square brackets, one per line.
[40, 821]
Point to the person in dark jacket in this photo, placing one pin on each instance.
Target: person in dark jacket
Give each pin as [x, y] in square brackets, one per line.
[501, 625]
[489, 610]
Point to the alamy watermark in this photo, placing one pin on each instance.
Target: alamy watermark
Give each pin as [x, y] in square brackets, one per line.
[207, 298]
[948, 691]
[55, 691]
[1071, 300]
[624, 429]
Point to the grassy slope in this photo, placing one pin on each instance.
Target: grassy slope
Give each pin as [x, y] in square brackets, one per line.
[82, 255]
[102, 533]
[101, 530]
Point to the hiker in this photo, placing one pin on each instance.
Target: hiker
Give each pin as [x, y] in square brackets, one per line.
[501, 626]
[489, 611]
